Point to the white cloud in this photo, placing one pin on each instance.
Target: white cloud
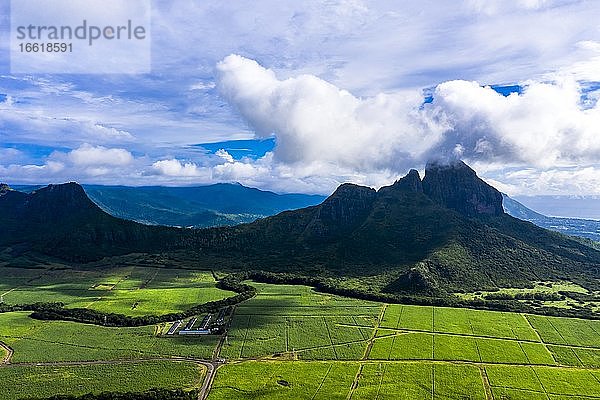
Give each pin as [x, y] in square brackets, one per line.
[176, 168]
[88, 155]
[324, 130]
[52, 122]
[379, 45]
[587, 67]
[340, 96]
[583, 180]
[81, 164]
[200, 85]
[224, 155]
[316, 122]
[31, 173]
[494, 7]
[9, 155]
[544, 126]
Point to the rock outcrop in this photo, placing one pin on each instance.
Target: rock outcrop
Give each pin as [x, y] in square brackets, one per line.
[409, 183]
[457, 186]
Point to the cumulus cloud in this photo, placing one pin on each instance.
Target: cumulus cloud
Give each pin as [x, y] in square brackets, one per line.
[317, 122]
[175, 168]
[337, 116]
[554, 181]
[325, 135]
[84, 162]
[8, 155]
[323, 130]
[88, 155]
[224, 155]
[544, 126]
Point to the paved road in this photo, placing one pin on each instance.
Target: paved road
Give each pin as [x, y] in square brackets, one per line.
[208, 380]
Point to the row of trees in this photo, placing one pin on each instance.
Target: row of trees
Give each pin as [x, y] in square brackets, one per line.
[29, 307]
[153, 394]
[540, 296]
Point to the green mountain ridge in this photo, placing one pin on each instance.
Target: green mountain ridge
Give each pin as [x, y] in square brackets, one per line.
[410, 238]
[445, 233]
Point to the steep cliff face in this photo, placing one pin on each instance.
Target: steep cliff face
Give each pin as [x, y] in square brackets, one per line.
[10, 199]
[344, 209]
[347, 203]
[4, 188]
[57, 203]
[457, 186]
[409, 183]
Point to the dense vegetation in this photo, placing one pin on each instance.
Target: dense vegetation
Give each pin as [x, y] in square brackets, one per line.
[154, 394]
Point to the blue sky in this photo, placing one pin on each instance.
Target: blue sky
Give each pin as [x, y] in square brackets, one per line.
[323, 92]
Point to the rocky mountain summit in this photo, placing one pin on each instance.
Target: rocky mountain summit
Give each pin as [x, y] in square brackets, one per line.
[457, 187]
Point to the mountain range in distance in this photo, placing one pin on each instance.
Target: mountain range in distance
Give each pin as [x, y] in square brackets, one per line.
[226, 204]
[581, 227]
[221, 204]
[443, 233]
[563, 206]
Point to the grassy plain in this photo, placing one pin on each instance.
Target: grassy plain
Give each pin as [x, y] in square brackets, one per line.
[302, 323]
[401, 351]
[400, 380]
[295, 322]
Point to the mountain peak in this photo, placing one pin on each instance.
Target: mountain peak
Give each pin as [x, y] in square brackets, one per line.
[345, 208]
[55, 202]
[411, 182]
[455, 185]
[348, 200]
[70, 194]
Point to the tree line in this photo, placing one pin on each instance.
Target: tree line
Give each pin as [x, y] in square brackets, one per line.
[152, 394]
